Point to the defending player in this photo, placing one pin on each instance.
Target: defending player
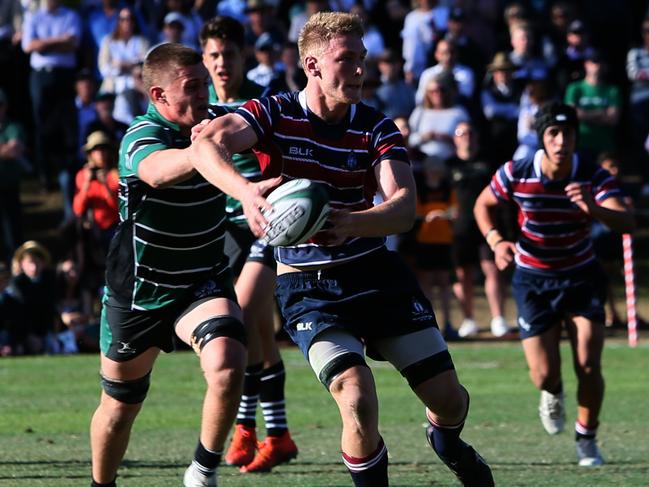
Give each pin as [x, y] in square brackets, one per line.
[556, 280]
[166, 270]
[252, 262]
[345, 289]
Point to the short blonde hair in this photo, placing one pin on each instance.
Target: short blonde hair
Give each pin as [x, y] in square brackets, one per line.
[322, 27]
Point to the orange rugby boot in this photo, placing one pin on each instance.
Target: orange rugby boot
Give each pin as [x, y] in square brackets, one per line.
[243, 446]
[272, 451]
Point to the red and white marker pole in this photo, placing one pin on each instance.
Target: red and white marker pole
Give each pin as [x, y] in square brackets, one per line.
[629, 286]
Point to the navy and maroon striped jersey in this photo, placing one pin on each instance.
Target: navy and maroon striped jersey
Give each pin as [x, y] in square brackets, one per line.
[295, 143]
[555, 233]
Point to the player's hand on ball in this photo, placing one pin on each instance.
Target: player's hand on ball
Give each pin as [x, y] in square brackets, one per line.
[253, 202]
[504, 253]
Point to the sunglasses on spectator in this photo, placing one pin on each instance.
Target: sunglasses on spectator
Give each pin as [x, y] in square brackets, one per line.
[463, 132]
[129, 18]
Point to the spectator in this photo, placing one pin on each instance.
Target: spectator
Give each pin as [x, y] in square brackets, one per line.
[51, 36]
[535, 95]
[291, 76]
[529, 66]
[433, 122]
[637, 68]
[192, 23]
[122, 49]
[172, 29]
[419, 34]
[86, 90]
[298, 20]
[373, 39]
[106, 122]
[468, 51]
[436, 208]
[12, 166]
[267, 68]
[261, 19]
[101, 21]
[578, 49]
[446, 57]
[397, 96]
[28, 302]
[133, 101]
[469, 174]
[598, 106]
[500, 104]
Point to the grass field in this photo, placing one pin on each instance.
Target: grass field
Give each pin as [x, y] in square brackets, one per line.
[46, 403]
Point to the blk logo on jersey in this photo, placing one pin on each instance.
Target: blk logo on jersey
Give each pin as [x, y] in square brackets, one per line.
[300, 151]
[306, 326]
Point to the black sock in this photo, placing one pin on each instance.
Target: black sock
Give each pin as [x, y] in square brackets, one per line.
[247, 414]
[206, 460]
[557, 390]
[97, 484]
[271, 398]
[446, 442]
[370, 471]
[582, 431]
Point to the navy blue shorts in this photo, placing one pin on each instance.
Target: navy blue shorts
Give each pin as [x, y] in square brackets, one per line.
[375, 296]
[544, 301]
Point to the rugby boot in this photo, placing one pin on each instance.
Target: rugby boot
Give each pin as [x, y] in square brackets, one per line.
[552, 412]
[274, 450]
[471, 469]
[243, 446]
[588, 453]
[194, 477]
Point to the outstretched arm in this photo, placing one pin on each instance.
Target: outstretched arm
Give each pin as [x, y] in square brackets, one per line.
[212, 157]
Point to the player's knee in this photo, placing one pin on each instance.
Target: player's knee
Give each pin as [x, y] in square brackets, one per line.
[215, 327]
[131, 392]
[586, 369]
[224, 377]
[335, 369]
[452, 406]
[356, 399]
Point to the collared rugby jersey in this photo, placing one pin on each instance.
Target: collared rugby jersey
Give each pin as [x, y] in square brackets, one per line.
[168, 238]
[296, 143]
[555, 233]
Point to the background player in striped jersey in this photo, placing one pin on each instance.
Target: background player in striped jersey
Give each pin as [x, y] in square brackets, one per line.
[252, 262]
[556, 280]
[344, 289]
[166, 271]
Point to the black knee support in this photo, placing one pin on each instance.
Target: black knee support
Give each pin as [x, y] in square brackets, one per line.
[427, 368]
[338, 365]
[218, 326]
[127, 391]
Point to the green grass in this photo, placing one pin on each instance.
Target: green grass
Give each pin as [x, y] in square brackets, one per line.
[46, 404]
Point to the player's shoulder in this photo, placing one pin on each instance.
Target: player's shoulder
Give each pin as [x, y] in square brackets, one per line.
[521, 167]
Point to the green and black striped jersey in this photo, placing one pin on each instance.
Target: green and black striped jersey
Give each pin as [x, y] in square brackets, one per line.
[169, 239]
[245, 162]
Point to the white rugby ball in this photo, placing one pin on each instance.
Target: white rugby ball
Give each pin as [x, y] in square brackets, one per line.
[300, 208]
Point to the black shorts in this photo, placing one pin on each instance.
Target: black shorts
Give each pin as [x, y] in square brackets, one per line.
[373, 297]
[242, 246]
[470, 248]
[125, 333]
[433, 257]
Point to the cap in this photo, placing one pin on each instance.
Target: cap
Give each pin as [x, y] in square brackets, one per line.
[594, 56]
[34, 248]
[105, 96]
[555, 113]
[255, 6]
[576, 27]
[457, 14]
[501, 62]
[85, 74]
[176, 17]
[96, 139]
[266, 42]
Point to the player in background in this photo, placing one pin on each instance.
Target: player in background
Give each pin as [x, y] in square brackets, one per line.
[166, 271]
[344, 286]
[253, 264]
[557, 282]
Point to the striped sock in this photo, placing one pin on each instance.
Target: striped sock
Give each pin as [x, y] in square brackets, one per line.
[271, 398]
[206, 460]
[248, 405]
[445, 440]
[582, 431]
[369, 471]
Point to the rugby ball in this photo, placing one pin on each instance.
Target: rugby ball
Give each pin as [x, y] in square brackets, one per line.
[300, 208]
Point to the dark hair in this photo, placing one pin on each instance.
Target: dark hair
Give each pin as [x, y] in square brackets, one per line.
[555, 113]
[164, 60]
[136, 25]
[224, 28]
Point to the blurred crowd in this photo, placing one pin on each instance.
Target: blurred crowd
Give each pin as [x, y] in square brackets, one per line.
[463, 80]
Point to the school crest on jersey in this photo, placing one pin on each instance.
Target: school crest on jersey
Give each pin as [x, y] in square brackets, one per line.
[352, 161]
